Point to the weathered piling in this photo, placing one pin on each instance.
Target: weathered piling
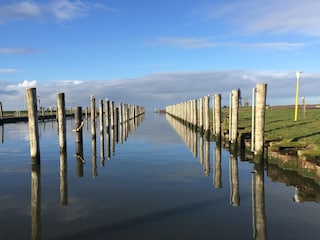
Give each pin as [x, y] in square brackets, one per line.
[253, 118]
[217, 115]
[234, 116]
[120, 113]
[111, 114]
[33, 124]
[79, 140]
[107, 114]
[61, 113]
[261, 93]
[78, 124]
[194, 112]
[200, 124]
[207, 114]
[1, 113]
[125, 112]
[93, 116]
[116, 123]
[101, 116]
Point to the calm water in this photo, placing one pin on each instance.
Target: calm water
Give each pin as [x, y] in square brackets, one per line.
[158, 182]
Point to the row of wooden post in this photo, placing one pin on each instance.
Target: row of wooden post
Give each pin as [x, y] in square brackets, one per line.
[198, 116]
[113, 116]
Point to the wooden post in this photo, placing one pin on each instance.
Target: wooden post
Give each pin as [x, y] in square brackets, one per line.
[1, 111]
[116, 123]
[107, 114]
[78, 124]
[101, 116]
[260, 117]
[217, 115]
[230, 117]
[112, 114]
[253, 120]
[201, 114]
[93, 116]
[207, 114]
[79, 140]
[61, 112]
[33, 124]
[120, 113]
[234, 116]
[195, 113]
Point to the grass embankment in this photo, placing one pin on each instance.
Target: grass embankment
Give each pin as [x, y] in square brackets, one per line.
[283, 132]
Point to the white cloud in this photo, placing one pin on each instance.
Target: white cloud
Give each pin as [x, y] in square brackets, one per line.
[206, 42]
[69, 82]
[67, 10]
[187, 42]
[24, 9]
[8, 70]
[17, 50]
[23, 85]
[162, 89]
[275, 16]
[64, 10]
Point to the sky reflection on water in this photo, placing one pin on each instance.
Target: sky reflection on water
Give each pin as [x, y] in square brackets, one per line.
[154, 185]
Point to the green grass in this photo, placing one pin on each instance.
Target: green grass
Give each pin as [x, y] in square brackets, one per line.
[281, 129]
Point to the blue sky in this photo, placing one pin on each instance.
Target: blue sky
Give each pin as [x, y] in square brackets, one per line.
[152, 52]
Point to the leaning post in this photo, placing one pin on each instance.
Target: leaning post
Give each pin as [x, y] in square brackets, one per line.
[33, 125]
[61, 111]
[261, 93]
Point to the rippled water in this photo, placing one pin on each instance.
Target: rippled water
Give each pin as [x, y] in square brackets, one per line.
[159, 182]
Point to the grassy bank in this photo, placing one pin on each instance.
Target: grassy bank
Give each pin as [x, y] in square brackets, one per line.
[282, 132]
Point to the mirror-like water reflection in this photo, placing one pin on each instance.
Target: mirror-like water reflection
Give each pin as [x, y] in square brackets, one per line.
[160, 180]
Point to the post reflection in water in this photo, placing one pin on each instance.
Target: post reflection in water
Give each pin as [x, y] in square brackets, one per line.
[207, 158]
[94, 156]
[217, 166]
[35, 202]
[258, 203]
[79, 159]
[191, 138]
[234, 180]
[201, 150]
[63, 179]
[108, 143]
[102, 157]
[2, 133]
